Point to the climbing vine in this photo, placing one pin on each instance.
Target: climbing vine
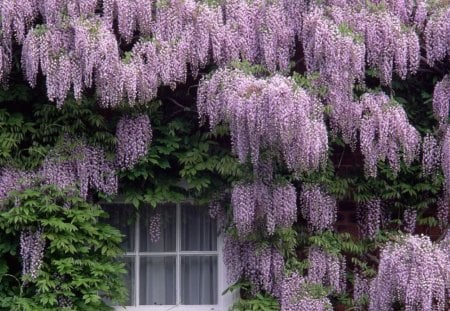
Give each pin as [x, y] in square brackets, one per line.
[280, 114]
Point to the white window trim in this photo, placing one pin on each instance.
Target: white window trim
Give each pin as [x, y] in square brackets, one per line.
[224, 302]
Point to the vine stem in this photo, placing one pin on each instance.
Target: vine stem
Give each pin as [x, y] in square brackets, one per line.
[444, 233]
[18, 282]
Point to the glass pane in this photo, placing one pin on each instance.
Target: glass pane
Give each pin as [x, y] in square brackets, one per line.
[130, 280]
[199, 280]
[166, 225]
[198, 230]
[122, 217]
[157, 280]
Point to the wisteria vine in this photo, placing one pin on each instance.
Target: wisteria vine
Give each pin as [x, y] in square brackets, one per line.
[124, 50]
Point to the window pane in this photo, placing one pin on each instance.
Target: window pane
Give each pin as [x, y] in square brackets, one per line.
[121, 216]
[167, 240]
[199, 280]
[157, 280]
[130, 280]
[198, 230]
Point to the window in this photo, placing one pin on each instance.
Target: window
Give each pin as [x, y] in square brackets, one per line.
[183, 269]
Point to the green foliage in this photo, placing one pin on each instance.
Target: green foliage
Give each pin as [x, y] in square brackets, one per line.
[13, 130]
[182, 162]
[80, 261]
[260, 302]
[311, 83]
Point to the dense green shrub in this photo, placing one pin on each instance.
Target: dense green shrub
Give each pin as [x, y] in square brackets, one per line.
[79, 270]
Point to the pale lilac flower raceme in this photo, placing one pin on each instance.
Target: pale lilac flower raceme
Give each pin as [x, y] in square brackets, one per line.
[409, 220]
[442, 213]
[154, 227]
[318, 208]
[326, 269]
[262, 265]
[133, 135]
[256, 203]
[361, 287]
[413, 271]
[386, 134]
[339, 58]
[264, 113]
[445, 161]
[431, 155]
[12, 179]
[295, 298]
[437, 35]
[441, 101]
[369, 217]
[32, 246]
[79, 165]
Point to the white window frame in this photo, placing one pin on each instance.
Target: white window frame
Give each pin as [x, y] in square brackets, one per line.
[224, 302]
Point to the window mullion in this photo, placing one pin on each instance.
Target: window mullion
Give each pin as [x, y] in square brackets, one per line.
[178, 259]
[137, 260]
[178, 246]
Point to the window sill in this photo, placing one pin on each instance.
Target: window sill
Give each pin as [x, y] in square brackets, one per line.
[172, 308]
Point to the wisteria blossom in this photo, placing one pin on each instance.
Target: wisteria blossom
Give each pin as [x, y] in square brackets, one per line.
[445, 161]
[262, 113]
[32, 247]
[78, 165]
[361, 287]
[256, 203]
[154, 227]
[134, 135]
[431, 155]
[369, 216]
[318, 208]
[295, 298]
[261, 265]
[413, 271]
[441, 101]
[409, 220]
[386, 134]
[326, 269]
[13, 179]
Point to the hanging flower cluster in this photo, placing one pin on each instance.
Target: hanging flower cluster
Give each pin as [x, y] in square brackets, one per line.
[390, 47]
[431, 155]
[442, 212]
[262, 265]
[386, 134]
[337, 54]
[409, 220]
[77, 39]
[294, 298]
[13, 179]
[264, 113]
[168, 36]
[413, 271]
[326, 269]
[133, 135]
[318, 208]
[441, 101]
[369, 218]
[154, 227]
[81, 166]
[445, 161]
[32, 246]
[437, 35]
[256, 203]
[361, 287]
